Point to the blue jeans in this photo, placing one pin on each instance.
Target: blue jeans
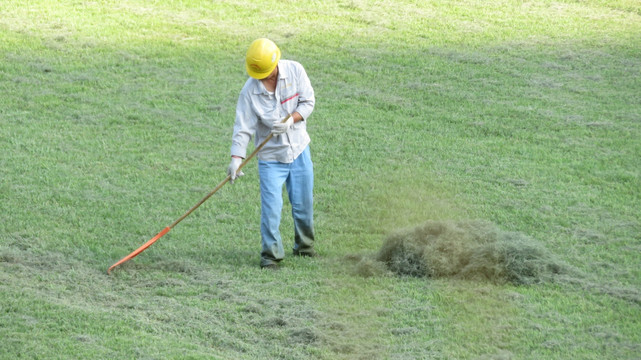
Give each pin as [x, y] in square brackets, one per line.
[298, 177]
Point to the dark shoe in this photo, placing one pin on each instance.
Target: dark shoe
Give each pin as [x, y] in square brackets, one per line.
[272, 267]
[305, 253]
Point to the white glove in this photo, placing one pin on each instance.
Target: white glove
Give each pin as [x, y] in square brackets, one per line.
[280, 127]
[232, 170]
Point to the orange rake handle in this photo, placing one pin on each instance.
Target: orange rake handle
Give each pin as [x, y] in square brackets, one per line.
[166, 230]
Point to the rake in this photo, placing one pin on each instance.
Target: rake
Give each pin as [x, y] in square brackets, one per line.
[164, 231]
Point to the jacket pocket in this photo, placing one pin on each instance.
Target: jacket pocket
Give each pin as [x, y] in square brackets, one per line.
[289, 101]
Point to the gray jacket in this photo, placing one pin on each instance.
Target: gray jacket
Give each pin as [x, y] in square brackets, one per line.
[258, 109]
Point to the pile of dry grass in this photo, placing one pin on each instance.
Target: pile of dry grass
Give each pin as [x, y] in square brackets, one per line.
[467, 250]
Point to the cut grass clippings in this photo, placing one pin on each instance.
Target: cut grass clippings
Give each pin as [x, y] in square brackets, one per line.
[472, 250]
[476, 251]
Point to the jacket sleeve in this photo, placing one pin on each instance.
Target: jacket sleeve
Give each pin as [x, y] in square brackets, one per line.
[306, 98]
[244, 126]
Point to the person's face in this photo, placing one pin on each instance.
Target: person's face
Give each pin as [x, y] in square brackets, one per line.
[273, 75]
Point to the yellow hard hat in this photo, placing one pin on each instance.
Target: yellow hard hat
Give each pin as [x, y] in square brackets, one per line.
[262, 57]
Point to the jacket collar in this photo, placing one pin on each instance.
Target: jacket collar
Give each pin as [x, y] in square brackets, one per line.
[259, 88]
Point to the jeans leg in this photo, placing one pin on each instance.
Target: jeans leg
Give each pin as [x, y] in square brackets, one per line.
[272, 176]
[300, 185]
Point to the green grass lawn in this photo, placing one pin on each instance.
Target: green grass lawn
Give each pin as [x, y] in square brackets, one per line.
[116, 118]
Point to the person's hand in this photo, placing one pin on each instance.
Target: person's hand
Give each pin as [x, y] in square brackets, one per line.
[232, 170]
[280, 127]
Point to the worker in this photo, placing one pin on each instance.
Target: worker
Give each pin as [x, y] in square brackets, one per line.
[277, 90]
